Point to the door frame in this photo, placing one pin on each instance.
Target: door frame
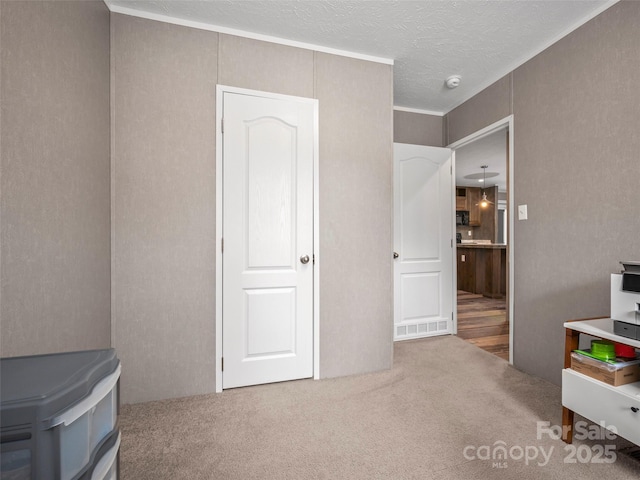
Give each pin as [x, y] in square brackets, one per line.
[506, 122]
[220, 91]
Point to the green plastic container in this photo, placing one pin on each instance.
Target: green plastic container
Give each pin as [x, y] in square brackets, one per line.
[603, 350]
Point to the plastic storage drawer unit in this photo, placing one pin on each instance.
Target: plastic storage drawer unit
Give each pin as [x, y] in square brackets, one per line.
[59, 416]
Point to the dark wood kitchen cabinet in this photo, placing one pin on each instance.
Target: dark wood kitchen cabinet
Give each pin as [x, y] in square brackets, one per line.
[461, 198]
[495, 273]
[466, 269]
[482, 269]
[473, 199]
[467, 199]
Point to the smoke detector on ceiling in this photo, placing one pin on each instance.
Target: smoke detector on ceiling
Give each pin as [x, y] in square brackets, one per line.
[453, 81]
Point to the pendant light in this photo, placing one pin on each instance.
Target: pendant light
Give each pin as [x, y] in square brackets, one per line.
[484, 201]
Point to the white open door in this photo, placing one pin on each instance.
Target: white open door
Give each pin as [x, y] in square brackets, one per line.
[268, 217]
[423, 241]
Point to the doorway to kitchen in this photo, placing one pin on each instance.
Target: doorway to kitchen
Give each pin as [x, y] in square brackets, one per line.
[484, 229]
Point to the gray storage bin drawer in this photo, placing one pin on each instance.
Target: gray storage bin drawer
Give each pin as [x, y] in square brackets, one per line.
[58, 412]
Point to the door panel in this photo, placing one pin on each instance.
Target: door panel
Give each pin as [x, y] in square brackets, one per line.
[423, 229]
[267, 311]
[418, 188]
[270, 329]
[270, 193]
[421, 293]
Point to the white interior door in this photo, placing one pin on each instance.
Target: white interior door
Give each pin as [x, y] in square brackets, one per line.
[423, 240]
[267, 310]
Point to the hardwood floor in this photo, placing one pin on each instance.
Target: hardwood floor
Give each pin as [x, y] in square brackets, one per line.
[483, 322]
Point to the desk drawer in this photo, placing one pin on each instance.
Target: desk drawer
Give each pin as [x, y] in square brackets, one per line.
[600, 402]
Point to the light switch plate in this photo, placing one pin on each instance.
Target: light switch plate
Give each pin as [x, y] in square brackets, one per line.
[522, 212]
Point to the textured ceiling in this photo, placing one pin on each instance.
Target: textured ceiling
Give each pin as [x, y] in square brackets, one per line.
[428, 40]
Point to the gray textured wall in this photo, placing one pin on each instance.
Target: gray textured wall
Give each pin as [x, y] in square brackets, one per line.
[54, 217]
[268, 67]
[576, 153]
[163, 204]
[489, 106]
[576, 146]
[418, 129]
[356, 242]
[164, 200]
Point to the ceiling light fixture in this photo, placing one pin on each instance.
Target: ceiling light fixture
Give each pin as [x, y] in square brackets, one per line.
[453, 81]
[484, 202]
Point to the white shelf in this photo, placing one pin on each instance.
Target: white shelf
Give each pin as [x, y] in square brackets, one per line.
[595, 400]
[602, 328]
[630, 389]
[615, 407]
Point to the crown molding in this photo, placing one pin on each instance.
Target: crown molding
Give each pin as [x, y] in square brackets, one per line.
[419, 110]
[242, 33]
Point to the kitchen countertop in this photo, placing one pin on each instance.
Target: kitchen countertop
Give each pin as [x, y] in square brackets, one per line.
[494, 246]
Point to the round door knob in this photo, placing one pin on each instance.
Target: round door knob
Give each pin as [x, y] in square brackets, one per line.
[395, 255]
[304, 259]
[634, 409]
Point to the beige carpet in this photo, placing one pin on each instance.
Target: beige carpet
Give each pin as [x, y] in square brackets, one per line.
[442, 398]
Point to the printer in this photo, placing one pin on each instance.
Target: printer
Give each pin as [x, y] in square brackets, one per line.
[625, 301]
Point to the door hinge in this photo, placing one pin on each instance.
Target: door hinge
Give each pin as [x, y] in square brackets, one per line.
[451, 170]
[452, 243]
[222, 363]
[222, 245]
[222, 125]
[313, 259]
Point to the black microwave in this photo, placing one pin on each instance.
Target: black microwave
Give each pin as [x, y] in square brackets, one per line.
[462, 217]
